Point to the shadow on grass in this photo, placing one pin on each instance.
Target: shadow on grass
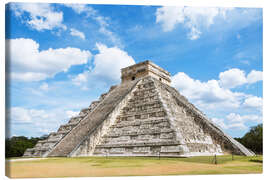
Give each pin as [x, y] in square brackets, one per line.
[256, 160]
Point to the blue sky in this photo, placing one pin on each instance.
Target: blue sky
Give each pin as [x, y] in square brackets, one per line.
[63, 56]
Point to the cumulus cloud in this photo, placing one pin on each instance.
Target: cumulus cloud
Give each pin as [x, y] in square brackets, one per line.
[237, 121]
[232, 78]
[107, 66]
[31, 64]
[198, 20]
[193, 18]
[41, 16]
[254, 76]
[232, 117]
[75, 32]
[109, 61]
[253, 102]
[216, 94]
[37, 121]
[236, 77]
[206, 94]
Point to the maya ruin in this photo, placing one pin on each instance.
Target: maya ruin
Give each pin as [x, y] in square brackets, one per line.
[142, 116]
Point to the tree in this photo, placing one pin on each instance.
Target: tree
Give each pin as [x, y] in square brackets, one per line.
[253, 139]
[16, 145]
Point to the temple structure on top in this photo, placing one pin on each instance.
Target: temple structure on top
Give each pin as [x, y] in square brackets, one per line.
[146, 68]
[142, 116]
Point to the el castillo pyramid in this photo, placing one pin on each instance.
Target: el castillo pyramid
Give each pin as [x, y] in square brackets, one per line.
[142, 116]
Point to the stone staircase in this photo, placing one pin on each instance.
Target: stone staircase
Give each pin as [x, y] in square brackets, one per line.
[142, 127]
[92, 123]
[43, 147]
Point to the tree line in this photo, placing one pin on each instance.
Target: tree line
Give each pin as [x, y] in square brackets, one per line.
[253, 139]
[16, 145]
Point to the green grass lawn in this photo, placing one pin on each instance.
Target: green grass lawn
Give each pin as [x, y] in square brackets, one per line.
[132, 166]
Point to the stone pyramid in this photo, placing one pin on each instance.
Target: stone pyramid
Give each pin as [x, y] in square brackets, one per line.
[142, 116]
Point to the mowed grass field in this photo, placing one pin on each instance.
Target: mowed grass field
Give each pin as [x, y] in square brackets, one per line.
[131, 166]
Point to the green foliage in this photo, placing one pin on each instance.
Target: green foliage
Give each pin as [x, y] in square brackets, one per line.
[253, 139]
[16, 145]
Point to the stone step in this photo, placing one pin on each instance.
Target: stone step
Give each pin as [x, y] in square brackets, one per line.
[52, 141]
[67, 127]
[140, 103]
[102, 96]
[63, 132]
[41, 149]
[165, 143]
[141, 122]
[143, 90]
[75, 119]
[82, 115]
[141, 109]
[70, 124]
[142, 100]
[137, 127]
[158, 112]
[144, 132]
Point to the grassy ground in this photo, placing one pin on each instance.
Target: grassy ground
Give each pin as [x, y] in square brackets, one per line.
[132, 166]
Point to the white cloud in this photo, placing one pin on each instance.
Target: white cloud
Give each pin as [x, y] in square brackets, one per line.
[169, 17]
[220, 123]
[41, 16]
[107, 66]
[232, 117]
[44, 87]
[75, 32]
[82, 8]
[37, 122]
[236, 77]
[236, 121]
[232, 78]
[19, 115]
[31, 64]
[109, 61]
[101, 20]
[71, 114]
[206, 94]
[215, 94]
[253, 102]
[224, 124]
[198, 20]
[80, 79]
[193, 18]
[254, 76]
